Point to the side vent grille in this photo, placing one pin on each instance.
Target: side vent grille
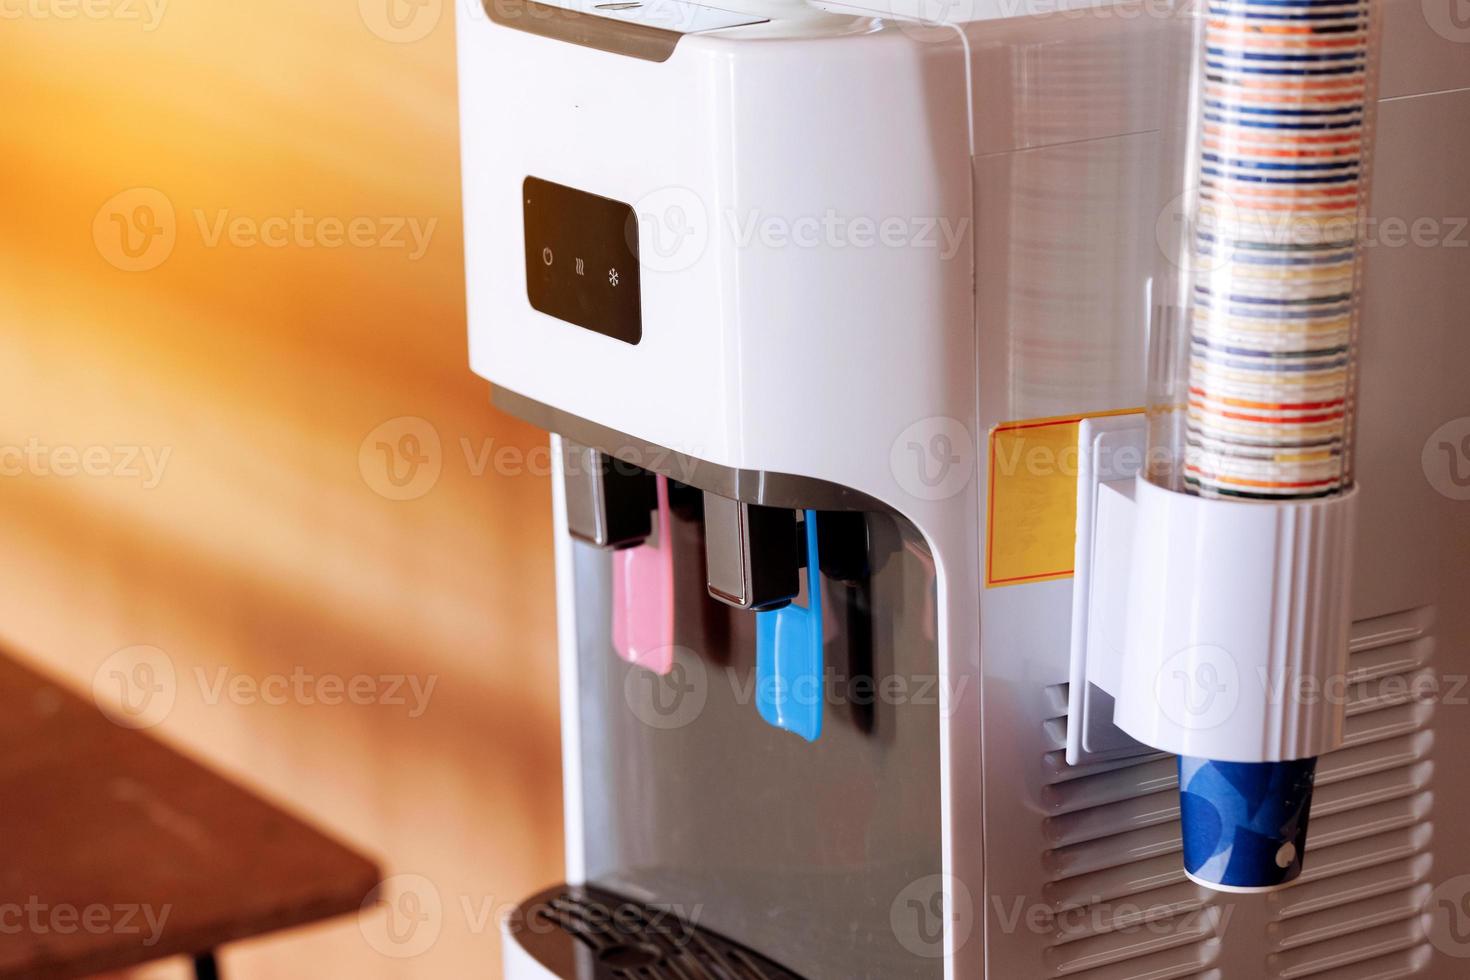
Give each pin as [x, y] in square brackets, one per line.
[1355, 913]
[1124, 910]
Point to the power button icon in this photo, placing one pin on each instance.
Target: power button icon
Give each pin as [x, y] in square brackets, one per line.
[546, 255]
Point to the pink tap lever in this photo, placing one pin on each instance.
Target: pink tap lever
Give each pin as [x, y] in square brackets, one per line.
[643, 597]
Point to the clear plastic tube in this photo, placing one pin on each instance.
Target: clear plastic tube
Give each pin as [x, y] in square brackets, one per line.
[1253, 344]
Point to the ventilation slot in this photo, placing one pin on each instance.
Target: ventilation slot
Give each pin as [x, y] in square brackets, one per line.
[1123, 909]
[1355, 914]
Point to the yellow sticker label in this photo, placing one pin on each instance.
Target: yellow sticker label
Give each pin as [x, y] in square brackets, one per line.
[1031, 525]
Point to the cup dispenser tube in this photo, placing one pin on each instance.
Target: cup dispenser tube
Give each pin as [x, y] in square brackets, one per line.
[1246, 512]
[1229, 556]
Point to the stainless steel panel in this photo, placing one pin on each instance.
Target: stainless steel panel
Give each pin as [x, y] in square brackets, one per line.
[801, 851]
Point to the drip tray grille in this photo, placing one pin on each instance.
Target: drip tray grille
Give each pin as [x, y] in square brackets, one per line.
[588, 933]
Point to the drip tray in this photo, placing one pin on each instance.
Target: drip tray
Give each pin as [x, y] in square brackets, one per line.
[587, 933]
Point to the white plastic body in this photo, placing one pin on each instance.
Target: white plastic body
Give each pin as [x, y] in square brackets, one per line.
[1236, 644]
[1038, 133]
[817, 381]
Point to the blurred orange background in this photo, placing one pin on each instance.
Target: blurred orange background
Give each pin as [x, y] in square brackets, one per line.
[231, 254]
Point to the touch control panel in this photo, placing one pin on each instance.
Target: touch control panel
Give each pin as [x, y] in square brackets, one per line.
[582, 259]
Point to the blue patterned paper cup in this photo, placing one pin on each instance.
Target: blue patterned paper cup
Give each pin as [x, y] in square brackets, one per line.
[1245, 823]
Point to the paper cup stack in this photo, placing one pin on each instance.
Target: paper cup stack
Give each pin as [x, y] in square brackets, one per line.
[1279, 158]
